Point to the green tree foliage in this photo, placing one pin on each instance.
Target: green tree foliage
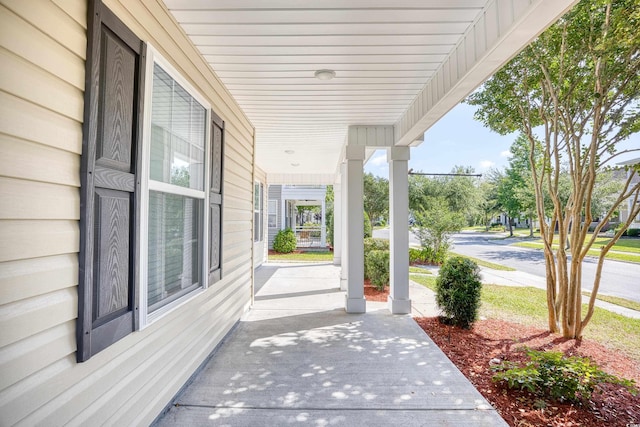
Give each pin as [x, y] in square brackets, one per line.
[376, 197]
[434, 225]
[462, 194]
[367, 226]
[488, 205]
[574, 93]
[458, 289]
[329, 215]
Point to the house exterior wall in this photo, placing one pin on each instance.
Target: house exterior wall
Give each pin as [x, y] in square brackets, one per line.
[41, 112]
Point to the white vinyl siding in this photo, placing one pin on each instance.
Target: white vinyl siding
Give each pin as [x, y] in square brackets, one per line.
[41, 102]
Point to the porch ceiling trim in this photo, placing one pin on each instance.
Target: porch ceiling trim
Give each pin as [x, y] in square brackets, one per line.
[505, 28]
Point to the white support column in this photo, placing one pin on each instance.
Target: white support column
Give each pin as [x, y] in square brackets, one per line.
[398, 301]
[337, 223]
[323, 225]
[344, 271]
[355, 302]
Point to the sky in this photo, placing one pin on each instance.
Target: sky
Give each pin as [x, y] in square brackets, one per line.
[459, 140]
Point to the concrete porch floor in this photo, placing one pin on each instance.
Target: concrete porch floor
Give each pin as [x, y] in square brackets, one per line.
[297, 358]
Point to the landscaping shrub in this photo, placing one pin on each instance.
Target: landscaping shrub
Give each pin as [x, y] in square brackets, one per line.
[458, 289]
[427, 256]
[377, 265]
[367, 226]
[285, 241]
[549, 374]
[415, 255]
[633, 232]
[372, 244]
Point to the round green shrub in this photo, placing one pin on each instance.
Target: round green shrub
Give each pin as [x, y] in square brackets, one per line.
[377, 266]
[458, 290]
[285, 241]
[373, 244]
[633, 232]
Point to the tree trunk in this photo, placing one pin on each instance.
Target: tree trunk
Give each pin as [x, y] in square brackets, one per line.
[510, 226]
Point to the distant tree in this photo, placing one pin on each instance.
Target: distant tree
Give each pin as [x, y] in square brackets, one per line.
[461, 194]
[488, 205]
[329, 214]
[575, 93]
[518, 193]
[435, 223]
[376, 197]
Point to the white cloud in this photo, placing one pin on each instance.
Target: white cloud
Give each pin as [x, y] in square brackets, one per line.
[378, 159]
[486, 164]
[505, 153]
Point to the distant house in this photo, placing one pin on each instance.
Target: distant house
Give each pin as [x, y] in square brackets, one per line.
[309, 226]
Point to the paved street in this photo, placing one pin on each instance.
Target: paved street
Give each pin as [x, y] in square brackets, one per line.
[619, 279]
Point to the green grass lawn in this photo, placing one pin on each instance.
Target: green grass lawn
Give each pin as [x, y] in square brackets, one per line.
[311, 256]
[484, 263]
[528, 306]
[622, 302]
[624, 249]
[419, 270]
[481, 229]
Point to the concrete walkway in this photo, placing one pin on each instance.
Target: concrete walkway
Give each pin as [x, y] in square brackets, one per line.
[297, 358]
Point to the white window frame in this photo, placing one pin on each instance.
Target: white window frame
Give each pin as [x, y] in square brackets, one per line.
[275, 203]
[147, 185]
[258, 209]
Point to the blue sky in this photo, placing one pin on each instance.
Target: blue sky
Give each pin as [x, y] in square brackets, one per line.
[457, 139]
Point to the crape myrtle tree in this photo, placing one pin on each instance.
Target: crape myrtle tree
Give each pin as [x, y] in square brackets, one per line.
[575, 93]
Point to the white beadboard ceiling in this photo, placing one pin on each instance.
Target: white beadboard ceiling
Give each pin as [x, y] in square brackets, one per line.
[387, 56]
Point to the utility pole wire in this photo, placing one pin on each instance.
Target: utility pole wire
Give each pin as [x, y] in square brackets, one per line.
[411, 172]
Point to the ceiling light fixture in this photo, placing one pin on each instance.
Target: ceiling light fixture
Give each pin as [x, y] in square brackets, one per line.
[295, 164]
[325, 74]
[289, 151]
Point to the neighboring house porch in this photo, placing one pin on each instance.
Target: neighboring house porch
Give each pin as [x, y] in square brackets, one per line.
[301, 208]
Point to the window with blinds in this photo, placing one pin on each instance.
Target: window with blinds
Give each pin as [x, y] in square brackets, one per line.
[176, 191]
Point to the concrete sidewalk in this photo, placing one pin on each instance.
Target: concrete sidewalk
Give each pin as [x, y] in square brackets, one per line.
[298, 358]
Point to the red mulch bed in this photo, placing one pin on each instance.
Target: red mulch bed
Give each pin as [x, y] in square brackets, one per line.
[471, 351]
[372, 294]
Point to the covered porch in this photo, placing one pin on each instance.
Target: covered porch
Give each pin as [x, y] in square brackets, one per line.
[326, 84]
[297, 358]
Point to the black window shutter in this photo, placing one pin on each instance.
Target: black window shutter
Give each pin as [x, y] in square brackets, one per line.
[215, 198]
[110, 183]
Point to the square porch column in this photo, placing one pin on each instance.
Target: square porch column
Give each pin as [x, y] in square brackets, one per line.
[344, 271]
[398, 300]
[355, 302]
[337, 223]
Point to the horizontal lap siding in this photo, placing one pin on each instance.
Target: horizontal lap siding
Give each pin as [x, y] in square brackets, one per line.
[41, 102]
[42, 52]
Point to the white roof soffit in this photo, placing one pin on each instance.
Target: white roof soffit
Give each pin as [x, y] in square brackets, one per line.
[396, 62]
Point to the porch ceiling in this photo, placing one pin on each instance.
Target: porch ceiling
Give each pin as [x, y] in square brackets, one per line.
[397, 62]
